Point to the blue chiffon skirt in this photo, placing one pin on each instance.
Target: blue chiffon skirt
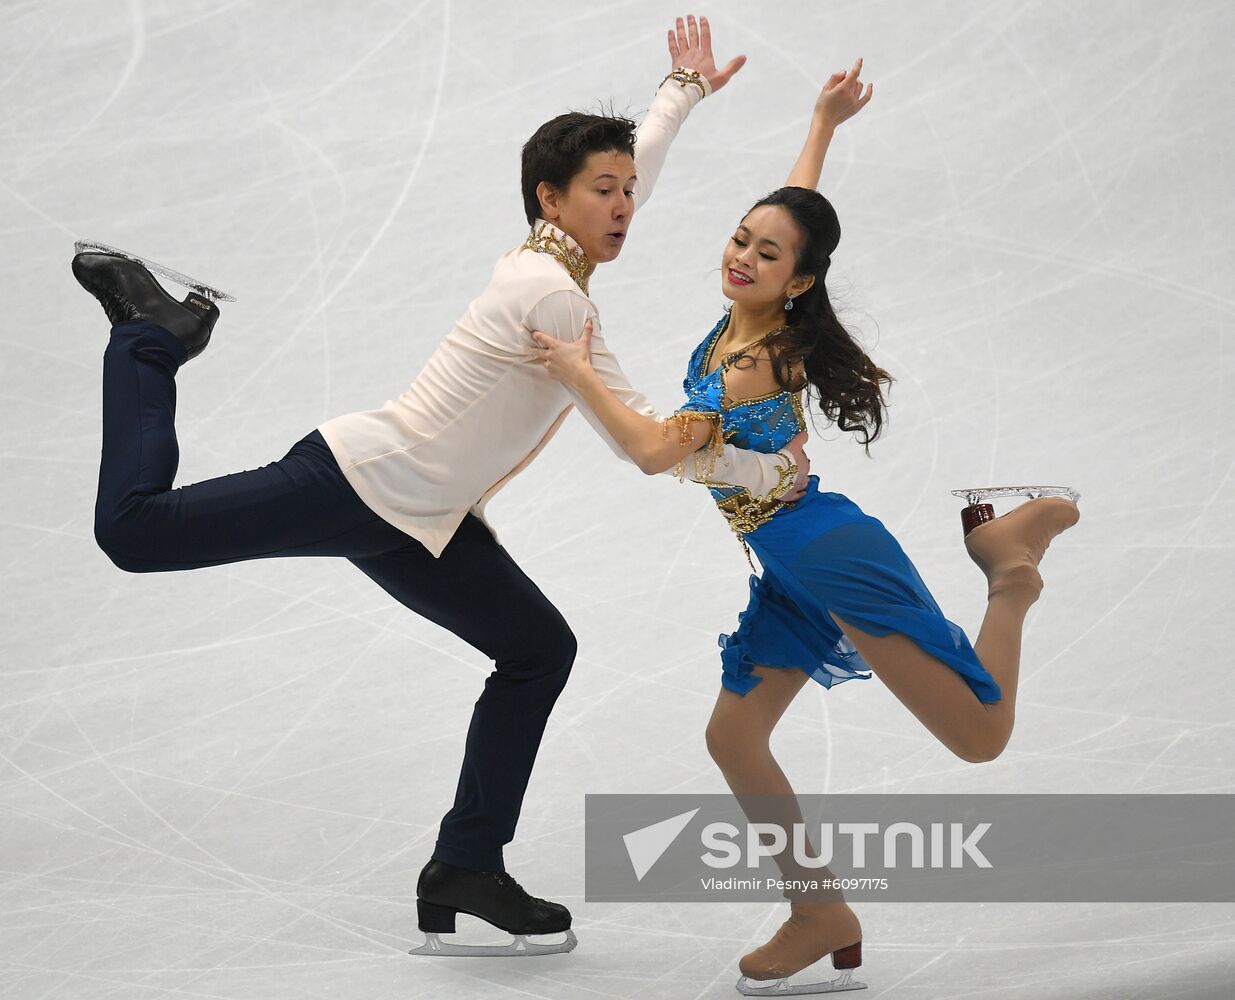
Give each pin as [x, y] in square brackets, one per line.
[824, 553]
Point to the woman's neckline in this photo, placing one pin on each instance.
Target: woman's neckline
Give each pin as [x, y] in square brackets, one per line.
[730, 356]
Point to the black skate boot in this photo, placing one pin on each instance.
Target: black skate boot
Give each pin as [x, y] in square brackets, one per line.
[444, 891]
[127, 291]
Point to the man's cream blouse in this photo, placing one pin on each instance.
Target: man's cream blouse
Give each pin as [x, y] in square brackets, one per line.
[483, 407]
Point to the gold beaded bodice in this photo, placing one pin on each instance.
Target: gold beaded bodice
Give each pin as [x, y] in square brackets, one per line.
[766, 424]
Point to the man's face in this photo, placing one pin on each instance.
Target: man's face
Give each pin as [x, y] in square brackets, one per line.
[596, 207]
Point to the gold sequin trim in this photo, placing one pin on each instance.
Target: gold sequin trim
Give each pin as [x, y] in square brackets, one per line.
[798, 411]
[745, 512]
[708, 453]
[685, 78]
[543, 239]
[732, 404]
[729, 360]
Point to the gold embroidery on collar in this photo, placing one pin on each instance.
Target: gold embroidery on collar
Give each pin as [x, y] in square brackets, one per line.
[543, 239]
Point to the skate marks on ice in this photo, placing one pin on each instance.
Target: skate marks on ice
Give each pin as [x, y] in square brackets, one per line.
[162, 270]
[1062, 322]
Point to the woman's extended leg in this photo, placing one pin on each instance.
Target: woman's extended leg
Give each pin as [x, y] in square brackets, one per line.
[738, 736]
[937, 695]
[1008, 551]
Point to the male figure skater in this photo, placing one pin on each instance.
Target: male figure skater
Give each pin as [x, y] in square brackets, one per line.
[400, 490]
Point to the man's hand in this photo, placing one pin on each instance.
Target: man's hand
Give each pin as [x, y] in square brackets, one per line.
[794, 448]
[691, 48]
[841, 97]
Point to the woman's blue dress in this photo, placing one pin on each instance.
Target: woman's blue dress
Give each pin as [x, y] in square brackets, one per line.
[819, 553]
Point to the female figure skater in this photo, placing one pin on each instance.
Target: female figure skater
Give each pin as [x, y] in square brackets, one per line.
[838, 597]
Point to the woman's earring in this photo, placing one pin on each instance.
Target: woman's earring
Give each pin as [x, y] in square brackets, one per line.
[728, 306]
[789, 304]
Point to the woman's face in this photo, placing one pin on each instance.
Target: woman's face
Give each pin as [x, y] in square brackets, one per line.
[757, 267]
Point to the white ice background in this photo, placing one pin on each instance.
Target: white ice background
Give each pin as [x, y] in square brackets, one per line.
[221, 784]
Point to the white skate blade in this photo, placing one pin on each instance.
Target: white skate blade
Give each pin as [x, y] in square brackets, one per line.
[435, 946]
[980, 494]
[783, 988]
[212, 293]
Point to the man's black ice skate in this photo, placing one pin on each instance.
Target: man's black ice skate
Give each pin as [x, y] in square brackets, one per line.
[444, 891]
[127, 290]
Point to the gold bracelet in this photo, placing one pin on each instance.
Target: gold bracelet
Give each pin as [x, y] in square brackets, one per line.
[685, 77]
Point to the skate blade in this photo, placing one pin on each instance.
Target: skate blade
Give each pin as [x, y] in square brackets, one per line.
[435, 946]
[981, 494]
[783, 988]
[212, 293]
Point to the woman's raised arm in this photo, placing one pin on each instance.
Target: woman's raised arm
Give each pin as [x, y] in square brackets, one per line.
[840, 99]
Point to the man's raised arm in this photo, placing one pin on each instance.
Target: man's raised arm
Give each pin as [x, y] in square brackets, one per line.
[693, 77]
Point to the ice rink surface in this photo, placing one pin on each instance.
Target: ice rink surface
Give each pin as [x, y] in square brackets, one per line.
[222, 784]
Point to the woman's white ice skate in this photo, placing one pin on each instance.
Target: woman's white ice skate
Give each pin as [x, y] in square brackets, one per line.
[210, 292]
[784, 988]
[980, 511]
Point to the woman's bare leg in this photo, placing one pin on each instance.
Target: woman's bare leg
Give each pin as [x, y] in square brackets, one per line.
[740, 730]
[937, 694]
[739, 739]
[1008, 551]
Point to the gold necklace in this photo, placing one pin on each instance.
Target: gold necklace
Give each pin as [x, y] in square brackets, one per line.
[542, 240]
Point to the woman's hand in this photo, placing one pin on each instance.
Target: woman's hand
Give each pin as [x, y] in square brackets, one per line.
[690, 47]
[796, 448]
[841, 97]
[565, 361]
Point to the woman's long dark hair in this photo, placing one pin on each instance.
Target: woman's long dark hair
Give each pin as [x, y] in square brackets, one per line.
[848, 384]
